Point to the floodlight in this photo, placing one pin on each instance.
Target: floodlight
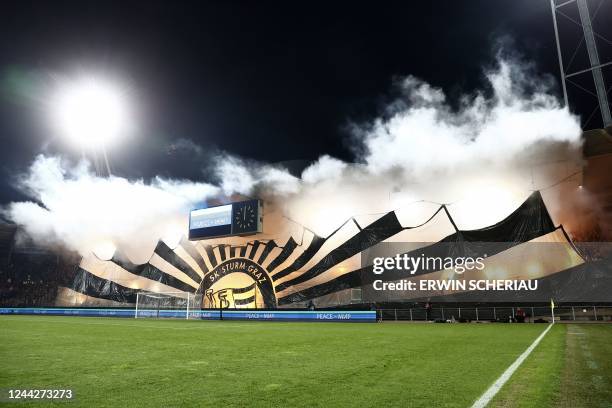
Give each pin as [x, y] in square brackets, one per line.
[90, 112]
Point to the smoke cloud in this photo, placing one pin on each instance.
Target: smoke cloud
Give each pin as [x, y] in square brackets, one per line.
[482, 154]
[424, 134]
[88, 213]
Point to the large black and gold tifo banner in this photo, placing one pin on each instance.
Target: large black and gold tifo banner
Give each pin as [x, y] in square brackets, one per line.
[293, 271]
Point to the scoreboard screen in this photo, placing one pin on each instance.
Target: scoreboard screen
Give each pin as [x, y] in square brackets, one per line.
[241, 218]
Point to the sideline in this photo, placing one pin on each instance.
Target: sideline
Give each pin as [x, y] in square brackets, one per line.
[485, 398]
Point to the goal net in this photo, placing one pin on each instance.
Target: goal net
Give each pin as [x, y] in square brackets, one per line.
[177, 305]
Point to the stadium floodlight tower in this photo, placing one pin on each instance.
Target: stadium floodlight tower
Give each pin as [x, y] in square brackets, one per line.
[91, 113]
[595, 65]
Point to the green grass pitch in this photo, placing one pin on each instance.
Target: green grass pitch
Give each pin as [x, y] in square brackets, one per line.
[171, 363]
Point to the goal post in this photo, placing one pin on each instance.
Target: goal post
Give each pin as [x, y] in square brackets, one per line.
[176, 305]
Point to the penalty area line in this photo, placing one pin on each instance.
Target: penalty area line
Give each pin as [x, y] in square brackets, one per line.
[485, 398]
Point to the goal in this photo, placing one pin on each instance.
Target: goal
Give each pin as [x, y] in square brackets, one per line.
[177, 305]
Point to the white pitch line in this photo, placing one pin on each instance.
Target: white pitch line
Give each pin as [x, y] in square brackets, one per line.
[485, 398]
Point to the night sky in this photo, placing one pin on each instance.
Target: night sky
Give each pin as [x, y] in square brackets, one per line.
[262, 80]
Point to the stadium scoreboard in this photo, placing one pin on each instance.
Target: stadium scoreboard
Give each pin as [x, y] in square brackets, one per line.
[240, 218]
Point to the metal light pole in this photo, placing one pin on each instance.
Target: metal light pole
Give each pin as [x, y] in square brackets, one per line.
[591, 46]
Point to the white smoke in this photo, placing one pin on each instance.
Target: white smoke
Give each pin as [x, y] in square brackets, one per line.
[242, 177]
[88, 213]
[325, 168]
[484, 155]
[426, 135]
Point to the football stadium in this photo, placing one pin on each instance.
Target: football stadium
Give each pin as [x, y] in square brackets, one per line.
[451, 246]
